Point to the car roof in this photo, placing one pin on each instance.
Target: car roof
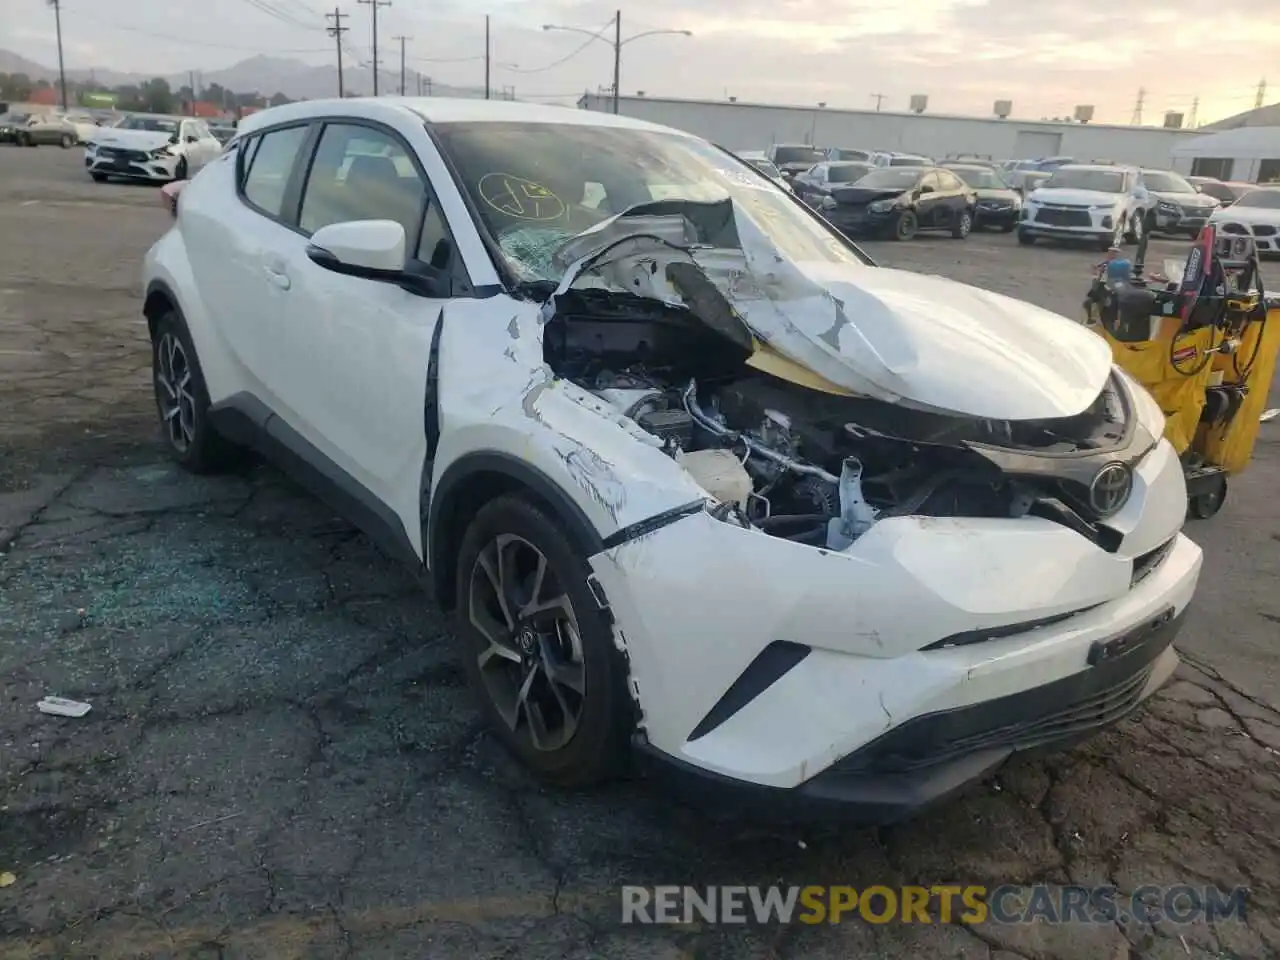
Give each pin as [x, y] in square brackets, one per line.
[751, 155]
[446, 110]
[1114, 168]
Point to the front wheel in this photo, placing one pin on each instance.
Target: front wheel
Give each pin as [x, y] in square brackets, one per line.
[905, 227]
[1026, 239]
[537, 648]
[99, 177]
[964, 225]
[24, 140]
[67, 141]
[1007, 227]
[180, 171]
[1202, 506]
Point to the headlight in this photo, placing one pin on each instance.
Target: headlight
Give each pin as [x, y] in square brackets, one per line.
[1166, 206]
[1102, 206]
[881, 206]
[160, 153]
[1145, 409]
[829, 203]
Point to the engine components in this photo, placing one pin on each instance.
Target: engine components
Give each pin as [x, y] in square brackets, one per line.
[720, 473]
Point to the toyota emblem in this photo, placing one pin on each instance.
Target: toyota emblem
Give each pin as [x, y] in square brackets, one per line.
[1110, 489]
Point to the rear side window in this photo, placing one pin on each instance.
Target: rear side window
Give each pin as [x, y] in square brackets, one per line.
[268, 163]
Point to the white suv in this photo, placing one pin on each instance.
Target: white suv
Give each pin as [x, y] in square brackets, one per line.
[1104, 204]
[704, 485]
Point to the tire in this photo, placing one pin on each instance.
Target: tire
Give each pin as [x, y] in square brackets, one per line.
[1007, 227]
[99, 177]
[67, 141]
[1203, 506]
[964, 225]
[180, 171]
[178, 382]
[593, 748]
[905, 227]
[1026, 239]
[24, 140]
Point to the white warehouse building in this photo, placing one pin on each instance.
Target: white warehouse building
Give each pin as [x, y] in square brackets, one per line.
[752, 126]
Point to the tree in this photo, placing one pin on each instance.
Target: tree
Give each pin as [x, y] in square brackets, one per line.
[15, 87]
[217, 93]
[156, 96]
[279, 100]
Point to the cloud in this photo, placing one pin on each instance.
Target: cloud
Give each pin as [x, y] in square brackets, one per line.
[1046, 56]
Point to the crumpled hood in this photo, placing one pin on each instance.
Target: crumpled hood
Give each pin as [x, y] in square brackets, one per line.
[1080, 198]
[923, 341]
[132, 139]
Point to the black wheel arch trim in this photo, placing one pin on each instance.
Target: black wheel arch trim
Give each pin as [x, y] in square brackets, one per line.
[436, 534]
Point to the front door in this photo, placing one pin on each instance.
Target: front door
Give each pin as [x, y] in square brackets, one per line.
[931, 208]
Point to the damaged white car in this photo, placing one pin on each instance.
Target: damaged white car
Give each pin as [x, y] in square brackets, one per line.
[704, 485]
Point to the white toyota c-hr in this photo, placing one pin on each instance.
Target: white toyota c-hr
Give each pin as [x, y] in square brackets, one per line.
[705, 486]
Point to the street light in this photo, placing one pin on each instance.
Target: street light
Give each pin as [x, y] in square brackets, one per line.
[618, 43]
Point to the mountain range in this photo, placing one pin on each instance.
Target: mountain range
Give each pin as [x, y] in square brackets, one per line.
[261, 74]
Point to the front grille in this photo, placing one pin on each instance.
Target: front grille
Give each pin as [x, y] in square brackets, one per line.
[1262, 230]
[1063, 217]
[1235, 229]
[1145, 564]
[115, 153]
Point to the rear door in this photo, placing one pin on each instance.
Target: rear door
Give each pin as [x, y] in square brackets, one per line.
[930, 206]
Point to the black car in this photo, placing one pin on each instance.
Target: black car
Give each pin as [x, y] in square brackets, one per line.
[896, 202]
[819, 180]
[999, 205]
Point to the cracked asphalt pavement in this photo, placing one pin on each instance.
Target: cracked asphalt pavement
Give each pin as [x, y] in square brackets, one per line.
[283, 760]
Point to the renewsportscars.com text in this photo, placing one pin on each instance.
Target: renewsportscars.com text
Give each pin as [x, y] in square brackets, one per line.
[937, 904]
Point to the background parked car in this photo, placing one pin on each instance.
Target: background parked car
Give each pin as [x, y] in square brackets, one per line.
[1226, 192]
[849, 153]
[1176, 206]
[999, 205]
[86, 125]
[820, 179]
[1256, 214]
[900, 201]
[155, 148]
[1104, 205]
[36, 129]
[794, 158]
[891, 159]
[222, 131]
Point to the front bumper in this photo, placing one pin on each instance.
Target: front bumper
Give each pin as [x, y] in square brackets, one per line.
[131, 164]
[8, 135]
[1067, 222]
[1179, 221]
[860, 221]
[1266, 236]
[933, 648]
[997, 216]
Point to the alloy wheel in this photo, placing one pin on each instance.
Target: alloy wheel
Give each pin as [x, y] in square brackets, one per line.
[530, 657]
[174, 394]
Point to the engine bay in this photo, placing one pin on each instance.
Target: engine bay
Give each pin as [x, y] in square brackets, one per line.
[812, 466]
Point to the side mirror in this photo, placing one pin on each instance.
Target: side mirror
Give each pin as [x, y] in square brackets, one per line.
[191, 139]
[370, 249]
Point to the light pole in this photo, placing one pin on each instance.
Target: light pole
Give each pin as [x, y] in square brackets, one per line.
[618, 43]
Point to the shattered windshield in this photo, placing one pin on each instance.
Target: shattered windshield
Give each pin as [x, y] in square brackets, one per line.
[154, 124]
[539, 185]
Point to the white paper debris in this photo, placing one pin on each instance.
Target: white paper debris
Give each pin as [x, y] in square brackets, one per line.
[62, 707]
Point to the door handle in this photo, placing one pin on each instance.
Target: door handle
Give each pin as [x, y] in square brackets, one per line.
[277, 277]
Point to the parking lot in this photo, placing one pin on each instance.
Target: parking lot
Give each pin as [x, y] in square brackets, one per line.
[283, 761]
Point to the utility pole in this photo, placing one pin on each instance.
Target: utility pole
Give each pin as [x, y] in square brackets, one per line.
[402, 42]
[1257, 101]
[879, 99]
[1195, 108]
[336, 31]
[617, 57]
[1136, 119]
[373, 6]
[62, 71]
[487, 49]
[191, 82]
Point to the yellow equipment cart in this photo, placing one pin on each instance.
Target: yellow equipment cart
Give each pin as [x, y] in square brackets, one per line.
[1204, 344]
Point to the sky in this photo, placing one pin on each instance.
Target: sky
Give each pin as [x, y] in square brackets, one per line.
[1046, 56]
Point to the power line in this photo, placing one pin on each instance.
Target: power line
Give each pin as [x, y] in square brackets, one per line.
[282, 15]
[373, 6]
[336, 31]
[598, 35]
[125, 28]
[402, 41]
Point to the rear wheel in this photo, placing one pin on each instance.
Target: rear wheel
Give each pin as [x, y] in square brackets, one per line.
[537, 648]
[182, 400]
[67, 141]
[905, 227]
